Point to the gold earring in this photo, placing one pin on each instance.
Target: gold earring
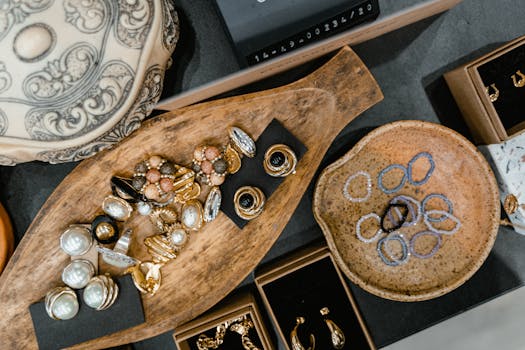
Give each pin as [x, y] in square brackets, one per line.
[337, 335]
[296, 343]
[494, 96]
[518, 83]
[279, 161]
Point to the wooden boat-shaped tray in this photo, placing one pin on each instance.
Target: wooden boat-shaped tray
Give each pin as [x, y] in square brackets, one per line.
[460, 173]
[218, 257]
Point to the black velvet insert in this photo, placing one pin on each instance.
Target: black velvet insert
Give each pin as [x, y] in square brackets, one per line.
[88, 324]
[252, 171]
[511, 102]
[303, 293]
[232, 340]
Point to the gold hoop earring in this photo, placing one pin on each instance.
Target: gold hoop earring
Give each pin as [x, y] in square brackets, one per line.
[518, 83]
[279, 161]
[492, 96]
[337, 335]
[296, 343]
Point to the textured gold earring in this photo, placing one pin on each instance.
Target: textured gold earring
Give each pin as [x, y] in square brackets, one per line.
[492, 96]
[337, 335]
[518, 83]
[294, 338]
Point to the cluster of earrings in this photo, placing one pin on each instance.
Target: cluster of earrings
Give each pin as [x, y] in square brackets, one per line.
[100, 292]
[493, 92]
[279, 161]
[336, 334]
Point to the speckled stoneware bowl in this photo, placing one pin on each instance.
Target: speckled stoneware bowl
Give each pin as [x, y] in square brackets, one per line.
[77, 76]
[460, 173]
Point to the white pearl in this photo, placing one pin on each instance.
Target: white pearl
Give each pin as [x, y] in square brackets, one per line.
[190, 216]
[144, 208]
[117, 208]
[78, 273]
[178, 237]
[65, 307]
[94, 295]
[76, 240]
[33, 42]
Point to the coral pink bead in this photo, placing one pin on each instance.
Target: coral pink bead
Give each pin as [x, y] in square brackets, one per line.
[153, 175]
[206, 167]
[211, 153]
[198, 154]
[154, 161]
[166, 185]
[151, 192]
[216, 180]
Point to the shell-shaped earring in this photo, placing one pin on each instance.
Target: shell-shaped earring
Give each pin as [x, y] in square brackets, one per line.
[518, 83]
[294, 338]
[492, 96]
[337, 335]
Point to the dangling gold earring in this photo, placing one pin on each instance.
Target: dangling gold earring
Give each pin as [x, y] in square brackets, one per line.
[518, 83]
[337, 335]
[296, 343]
[494, 96]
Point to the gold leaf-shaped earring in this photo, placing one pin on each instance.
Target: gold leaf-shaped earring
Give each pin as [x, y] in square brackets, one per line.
[294, 338]
[492, 96]
[337, 335]
[518, 83]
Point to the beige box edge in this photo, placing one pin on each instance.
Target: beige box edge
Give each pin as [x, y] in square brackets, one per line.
[352, 37]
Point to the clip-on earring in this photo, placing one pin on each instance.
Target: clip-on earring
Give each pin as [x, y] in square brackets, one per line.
[492, 96]
[279, 160]
[337, 335]
[248, 202]
[294, 338]
[518, 83]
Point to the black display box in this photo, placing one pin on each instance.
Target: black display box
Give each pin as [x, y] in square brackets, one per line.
[301, 285]
[236, 306]
[497, 120]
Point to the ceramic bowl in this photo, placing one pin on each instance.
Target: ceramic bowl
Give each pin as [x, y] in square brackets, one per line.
[459, 173]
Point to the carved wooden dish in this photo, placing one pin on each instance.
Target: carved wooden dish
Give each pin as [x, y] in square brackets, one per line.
[461, 174]
[219, 256]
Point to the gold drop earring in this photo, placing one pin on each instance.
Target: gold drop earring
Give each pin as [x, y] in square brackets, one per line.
[492, 96]
[294, 338]
[337, 335]
[518, 83]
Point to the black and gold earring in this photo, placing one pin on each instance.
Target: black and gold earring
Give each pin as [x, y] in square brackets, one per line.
[495, 94]
[248, 202]
[279, 160]
[518, 83]
[337, 335]
[294, 338]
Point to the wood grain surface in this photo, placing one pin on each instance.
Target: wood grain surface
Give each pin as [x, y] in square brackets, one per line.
[219, 256]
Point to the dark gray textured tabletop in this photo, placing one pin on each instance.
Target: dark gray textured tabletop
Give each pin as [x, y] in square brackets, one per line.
[408, 65]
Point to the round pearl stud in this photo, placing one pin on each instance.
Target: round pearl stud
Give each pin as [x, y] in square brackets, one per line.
[78, 273]
[76, 240]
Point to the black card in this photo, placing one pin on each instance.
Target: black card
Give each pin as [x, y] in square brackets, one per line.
[252, 171]
[89, 324]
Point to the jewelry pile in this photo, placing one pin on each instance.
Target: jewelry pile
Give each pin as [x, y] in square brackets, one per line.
[241, 325]
[167, 193]
[402, 212]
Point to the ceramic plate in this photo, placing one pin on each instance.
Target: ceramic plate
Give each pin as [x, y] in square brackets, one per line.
[409, 264]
